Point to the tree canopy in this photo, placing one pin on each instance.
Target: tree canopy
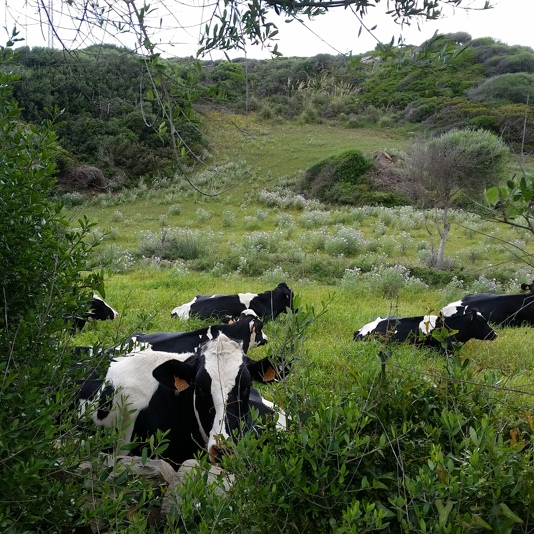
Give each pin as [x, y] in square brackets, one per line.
[233, 23]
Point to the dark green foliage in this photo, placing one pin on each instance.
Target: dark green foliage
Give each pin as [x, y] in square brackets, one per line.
[348, 169]
[439, 278]
[229, 75]
[481, 41]
[392, 453]
[100, 89]
[399, 83]
[457, 113]
[502, 59]
[516, 125]
[345, 179]
[509, 88]
[422, 109]
[40, 284]
[522, 62]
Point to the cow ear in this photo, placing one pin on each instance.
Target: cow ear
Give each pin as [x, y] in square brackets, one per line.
[176, 375]
[526, 287]
[264, 371]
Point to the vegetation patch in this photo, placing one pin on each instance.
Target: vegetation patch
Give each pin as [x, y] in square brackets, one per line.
[345, 179]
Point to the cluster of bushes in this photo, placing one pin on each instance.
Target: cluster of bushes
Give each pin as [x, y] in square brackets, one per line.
[110, 130]
[43, 280]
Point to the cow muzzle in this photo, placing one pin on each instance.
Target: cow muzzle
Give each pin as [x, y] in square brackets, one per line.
[218, 449]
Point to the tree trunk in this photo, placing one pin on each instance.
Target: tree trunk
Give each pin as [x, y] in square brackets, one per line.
[440, 257]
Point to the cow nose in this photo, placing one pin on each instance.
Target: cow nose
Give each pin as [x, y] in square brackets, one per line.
[216, 453]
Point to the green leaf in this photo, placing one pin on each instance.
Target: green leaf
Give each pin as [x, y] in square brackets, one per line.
[492, 194]
[478, 521]
[443, 511]
[506, 512]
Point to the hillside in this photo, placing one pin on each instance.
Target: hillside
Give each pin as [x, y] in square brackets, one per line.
[109, 140]
[347, 265]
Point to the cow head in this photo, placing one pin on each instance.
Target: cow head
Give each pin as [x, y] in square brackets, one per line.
[255, 326]
[472, 325]
[100, 310]
[220, 378]
[286, 294]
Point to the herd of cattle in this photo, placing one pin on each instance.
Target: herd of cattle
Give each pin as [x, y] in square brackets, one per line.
[197, 385]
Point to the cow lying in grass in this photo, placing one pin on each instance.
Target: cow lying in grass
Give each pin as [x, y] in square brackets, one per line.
[420, 330]
[267, 305]
[503, 310]
[203, 400]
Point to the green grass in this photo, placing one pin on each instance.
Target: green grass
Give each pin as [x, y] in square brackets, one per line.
[279, 148]
[254, 245]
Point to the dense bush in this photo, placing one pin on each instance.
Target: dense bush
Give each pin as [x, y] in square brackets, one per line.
[499, 58]
[41, 284]
[395, 453]
[346, 171]
[510, 88]
[346, 179]
[105, 124]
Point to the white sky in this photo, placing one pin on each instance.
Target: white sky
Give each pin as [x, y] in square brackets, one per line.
[511, 22]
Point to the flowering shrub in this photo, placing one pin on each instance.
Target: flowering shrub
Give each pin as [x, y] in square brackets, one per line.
[384, 280]
[346, 241]
[228, 219]
[314, 218]
[261, 242]
[203, 215]
[175, 243]
[282, 199]
[484, 285]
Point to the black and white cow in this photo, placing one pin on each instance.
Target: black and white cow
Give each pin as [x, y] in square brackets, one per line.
[503, 310]
[97, 309]
[419, 329]
[267, 305]
[201, 399]
[247, 328]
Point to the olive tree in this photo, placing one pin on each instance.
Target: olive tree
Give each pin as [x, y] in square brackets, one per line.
[512, 202]
[458, 162]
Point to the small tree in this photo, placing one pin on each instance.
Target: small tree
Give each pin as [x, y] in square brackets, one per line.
[460, 161]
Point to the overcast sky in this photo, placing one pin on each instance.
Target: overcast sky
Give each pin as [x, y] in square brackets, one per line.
[336, 32]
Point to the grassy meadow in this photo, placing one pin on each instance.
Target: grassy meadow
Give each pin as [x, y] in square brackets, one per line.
[164, 243]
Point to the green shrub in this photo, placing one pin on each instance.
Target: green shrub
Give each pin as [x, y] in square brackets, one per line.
[396, 452]
[485, 122]
[512, 88]
[382, 280]
[175, 243]
[43, 281]
[337, 173]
